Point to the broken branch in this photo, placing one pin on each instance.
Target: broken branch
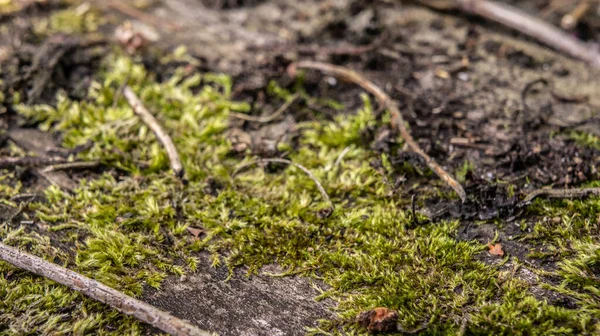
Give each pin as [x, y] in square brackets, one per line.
[152, 123]
[97, 291]
[299, 166]
[397, 119]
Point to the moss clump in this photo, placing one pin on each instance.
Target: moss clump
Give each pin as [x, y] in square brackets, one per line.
[127, 226]
[72, 20]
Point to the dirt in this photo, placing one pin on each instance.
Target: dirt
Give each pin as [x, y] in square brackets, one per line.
[471, 91]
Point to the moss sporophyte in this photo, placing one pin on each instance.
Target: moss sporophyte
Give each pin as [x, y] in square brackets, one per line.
[127, 225]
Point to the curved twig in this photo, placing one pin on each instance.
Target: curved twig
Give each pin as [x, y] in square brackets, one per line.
[531, 26]
[299, 166]
[397, 119]
[152, 123]
[339, 159]
[268, 118]
[560, 193]
[97, 291]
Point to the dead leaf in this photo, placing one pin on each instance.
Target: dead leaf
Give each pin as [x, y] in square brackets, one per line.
[379, 320]
[194, 231]
[495, 249]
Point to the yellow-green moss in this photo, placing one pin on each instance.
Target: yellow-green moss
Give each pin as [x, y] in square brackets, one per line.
[127, 226]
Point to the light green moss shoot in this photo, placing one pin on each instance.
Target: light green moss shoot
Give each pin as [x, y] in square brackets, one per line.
[127, 226]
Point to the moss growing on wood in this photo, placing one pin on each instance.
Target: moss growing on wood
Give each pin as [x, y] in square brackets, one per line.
[127, 226]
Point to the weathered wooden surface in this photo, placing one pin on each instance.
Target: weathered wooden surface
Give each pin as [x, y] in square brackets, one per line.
[256, 305]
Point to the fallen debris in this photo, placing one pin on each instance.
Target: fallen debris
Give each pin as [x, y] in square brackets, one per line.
[29, 161]
[97, 291]
[71, 165]
[560, 193]
[495, 249]
[523, 23]
[571, 19]
[324, 213]
[160, 133]
[379, 320]
[397, 119]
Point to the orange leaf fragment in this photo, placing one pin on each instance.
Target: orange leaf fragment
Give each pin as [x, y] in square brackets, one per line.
[194, 231]
[495, 249]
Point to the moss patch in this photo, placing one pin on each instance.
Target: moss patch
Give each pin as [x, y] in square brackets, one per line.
[127, 227]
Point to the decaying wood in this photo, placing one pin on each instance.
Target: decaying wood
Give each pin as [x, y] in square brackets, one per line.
[299, 166]
[152, 123]
[97, 291]
[397, 119]
[41, 144]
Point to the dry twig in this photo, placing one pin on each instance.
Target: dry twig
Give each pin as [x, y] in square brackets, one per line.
[299, 166]
[71, 165]
[141, 15]
[268, 118]
[397, 119]
[560, 193]
[160, 133]
[29, 161]
[571, 20]
[532, 26]
[524, 23]
[97, 291]
[339, 159]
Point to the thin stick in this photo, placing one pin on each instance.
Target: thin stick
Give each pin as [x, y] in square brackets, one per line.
[153, 124]
[140, 15]
[560, 193]
[339, 159]
[531, 26]
[268, 118]
[71, 165]
[28, 161]
[397, 119]
[570, 20]
[299, 166]
[97, 291]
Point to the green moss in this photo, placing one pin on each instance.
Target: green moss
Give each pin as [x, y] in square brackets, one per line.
[73, 20]
[586, 139]
[127, 226]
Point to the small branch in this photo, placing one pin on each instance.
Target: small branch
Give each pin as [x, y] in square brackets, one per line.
[97, 291]
[28, 161]
[71, 165]
[128, 10]
[531, 26]
[153, 124]
[304, 169]
[571, 20]
[397, 119]
[268, 118]
[560, 193]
